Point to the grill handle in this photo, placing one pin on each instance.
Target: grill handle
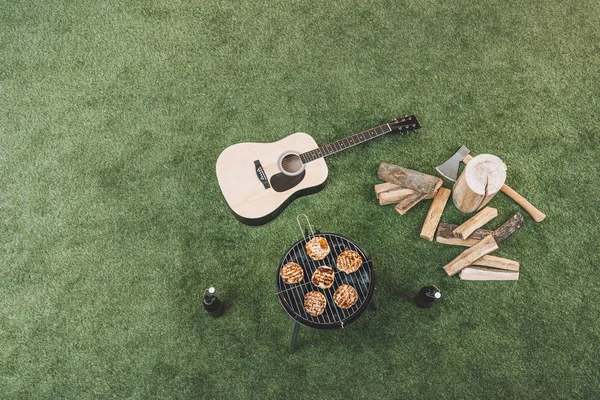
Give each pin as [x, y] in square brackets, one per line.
[308, 225]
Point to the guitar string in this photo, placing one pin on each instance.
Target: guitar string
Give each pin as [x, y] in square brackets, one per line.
[323, 153]
[287, 163]
[284, 163]
[274, 167]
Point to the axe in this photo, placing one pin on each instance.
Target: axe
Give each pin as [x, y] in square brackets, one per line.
[449, 170]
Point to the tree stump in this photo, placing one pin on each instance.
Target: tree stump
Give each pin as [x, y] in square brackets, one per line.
[481, 179]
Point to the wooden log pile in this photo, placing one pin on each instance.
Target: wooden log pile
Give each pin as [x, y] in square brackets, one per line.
[480, 243]
[445, 232]
[405, 188]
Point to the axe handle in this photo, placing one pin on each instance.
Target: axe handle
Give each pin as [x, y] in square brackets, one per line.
[536, 214]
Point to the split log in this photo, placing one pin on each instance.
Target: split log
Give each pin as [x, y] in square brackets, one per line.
[477, 221]
[435, 213]
[409, 202]
[481, 179]
[384, 187]
[408, 178]
[394, 196]
[509, 227]
[467, 257]
[484, 274]
[497, 262]
[444, 235]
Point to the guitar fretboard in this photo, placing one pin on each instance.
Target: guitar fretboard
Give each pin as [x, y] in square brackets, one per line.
[343, 144]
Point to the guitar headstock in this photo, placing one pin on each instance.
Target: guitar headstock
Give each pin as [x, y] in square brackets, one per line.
[405, 124]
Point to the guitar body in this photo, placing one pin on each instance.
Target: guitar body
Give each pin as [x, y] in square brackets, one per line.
[253, 183]
[259, 180]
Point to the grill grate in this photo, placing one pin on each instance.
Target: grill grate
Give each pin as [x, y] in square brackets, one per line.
[292, 296]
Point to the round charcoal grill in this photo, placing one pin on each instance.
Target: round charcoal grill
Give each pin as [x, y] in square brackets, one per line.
[292, 296]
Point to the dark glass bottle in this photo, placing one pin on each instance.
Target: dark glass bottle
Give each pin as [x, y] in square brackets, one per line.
[212, 304]
[427, 295]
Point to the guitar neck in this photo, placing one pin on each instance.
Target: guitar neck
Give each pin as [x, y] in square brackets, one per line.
[343, 144]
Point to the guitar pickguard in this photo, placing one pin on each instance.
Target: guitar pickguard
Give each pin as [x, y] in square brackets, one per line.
[281, 182]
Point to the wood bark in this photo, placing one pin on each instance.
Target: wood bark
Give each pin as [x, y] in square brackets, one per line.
[435, 213]
[477, 221]
[481, 179]
[509, 227]
[467, 257]
[408, 178]
[444, 235]
[484, 274]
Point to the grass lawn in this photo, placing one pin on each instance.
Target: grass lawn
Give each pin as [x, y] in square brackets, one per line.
[113, 114]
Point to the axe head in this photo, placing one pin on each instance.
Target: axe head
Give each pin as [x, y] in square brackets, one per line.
[449, 169]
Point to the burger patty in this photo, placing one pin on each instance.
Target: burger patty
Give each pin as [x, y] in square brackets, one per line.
[291, 273]
[345, 296]
[317, 248]
[349, 261]
[323, 277]
[315, 303]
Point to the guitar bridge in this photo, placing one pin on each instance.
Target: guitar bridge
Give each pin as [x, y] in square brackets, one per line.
[260, 174]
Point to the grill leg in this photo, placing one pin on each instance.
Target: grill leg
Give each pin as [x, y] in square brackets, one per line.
[374, 303]
[295, 329]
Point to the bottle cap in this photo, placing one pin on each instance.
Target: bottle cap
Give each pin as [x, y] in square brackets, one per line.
[437, 295]
[211, 290]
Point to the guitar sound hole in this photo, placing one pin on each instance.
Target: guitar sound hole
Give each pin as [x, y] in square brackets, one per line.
[291, 164]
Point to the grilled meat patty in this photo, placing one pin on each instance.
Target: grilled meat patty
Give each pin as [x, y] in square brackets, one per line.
[345, 296]
[317, 248]
[349, 261]
[291, 273]
[315, 303]
[323, 277]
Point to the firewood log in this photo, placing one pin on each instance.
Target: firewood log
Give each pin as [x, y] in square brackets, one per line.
[467, 257]
[394, 196]
[384, 187]
[484, 274]
[509, 227]
[497, 263]
[409, 202]
[435, 213]
[477, 221]
[408, 178]
[444, 233]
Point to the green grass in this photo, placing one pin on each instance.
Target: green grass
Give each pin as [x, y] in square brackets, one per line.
[112, 116]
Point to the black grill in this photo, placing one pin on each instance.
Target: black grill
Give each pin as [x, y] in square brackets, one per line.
[292, 296]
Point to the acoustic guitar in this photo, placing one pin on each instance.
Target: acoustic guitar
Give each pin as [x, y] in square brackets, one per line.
[259, 180]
